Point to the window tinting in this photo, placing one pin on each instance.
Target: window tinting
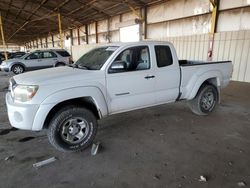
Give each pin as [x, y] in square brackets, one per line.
[136, 58]
[163, 56]
[49, 55]
[35, 55]
[63, 53]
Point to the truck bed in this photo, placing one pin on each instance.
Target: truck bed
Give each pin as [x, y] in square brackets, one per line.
[191, 71]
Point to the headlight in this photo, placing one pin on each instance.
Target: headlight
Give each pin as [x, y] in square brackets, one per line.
[3, 63]
[24, 93]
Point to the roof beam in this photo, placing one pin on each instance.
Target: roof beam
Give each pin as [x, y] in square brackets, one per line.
[57, 9]
[139, 2]
[28, 19]
[10, 3]
[20, 11]
[26, 11]
[81, 7]
[95, 8]
[36, 9]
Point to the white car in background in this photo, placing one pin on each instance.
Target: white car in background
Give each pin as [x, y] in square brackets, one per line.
[38, 59]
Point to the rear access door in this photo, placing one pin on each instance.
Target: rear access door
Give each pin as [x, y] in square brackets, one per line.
[167, 74]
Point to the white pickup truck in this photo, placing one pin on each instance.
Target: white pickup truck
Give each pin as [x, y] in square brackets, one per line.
[68, 101]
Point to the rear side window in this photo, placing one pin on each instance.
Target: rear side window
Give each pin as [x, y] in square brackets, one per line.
[49, 55]
[63, 53]
[163, 56]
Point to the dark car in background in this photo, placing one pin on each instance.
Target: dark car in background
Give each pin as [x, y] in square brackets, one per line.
[16, 55]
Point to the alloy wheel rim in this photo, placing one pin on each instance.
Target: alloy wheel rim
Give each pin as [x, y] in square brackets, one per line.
[207, 100]
[74, 130]
[18, 70]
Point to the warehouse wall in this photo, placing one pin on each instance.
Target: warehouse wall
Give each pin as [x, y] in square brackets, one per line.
[231, 45]
[186, 23]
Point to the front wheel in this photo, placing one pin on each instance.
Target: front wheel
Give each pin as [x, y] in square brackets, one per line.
[72, 129]
[17, 69]
[205, 101]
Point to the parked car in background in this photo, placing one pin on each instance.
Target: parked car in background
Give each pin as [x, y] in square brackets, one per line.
[14, 55]
[39, 59]
[115, 78]
[2, 55]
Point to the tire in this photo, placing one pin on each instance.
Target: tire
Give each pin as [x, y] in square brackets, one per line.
[72, 129]
[60, 64]
[205, 101]
[17, 69]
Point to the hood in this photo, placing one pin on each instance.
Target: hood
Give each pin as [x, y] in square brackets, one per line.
[55, 75]
[12, 60]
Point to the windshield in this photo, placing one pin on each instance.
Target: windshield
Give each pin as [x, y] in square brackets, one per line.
[95, 59]
[25, 55]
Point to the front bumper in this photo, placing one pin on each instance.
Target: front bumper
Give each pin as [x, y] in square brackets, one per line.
[21, 116]
[4, 68]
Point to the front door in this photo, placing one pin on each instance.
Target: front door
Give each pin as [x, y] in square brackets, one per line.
[134, 86]
[33, 61]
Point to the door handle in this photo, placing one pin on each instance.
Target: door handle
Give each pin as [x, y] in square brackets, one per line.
[149, 77]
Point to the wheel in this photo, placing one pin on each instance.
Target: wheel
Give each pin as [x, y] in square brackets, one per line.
[205, 101]
[72, 129]
[60, 64]
[17, 69]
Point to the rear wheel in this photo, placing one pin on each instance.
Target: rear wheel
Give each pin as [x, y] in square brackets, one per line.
[72, 129]
[60, 64]
[205, 101]
[17, 69]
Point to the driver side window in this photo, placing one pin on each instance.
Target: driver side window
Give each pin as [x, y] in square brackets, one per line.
[35, 55]
[133, 59]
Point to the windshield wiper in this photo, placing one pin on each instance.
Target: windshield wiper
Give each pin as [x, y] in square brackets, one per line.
[83, 67]
[79, 66]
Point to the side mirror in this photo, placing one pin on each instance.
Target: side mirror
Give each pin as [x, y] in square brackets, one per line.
[118, 66]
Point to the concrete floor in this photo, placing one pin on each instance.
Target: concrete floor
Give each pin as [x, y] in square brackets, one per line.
[165, 146]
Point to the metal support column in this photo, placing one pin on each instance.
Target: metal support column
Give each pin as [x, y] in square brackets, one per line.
[145, 23]
[109, 33]
[41, 43]
[52, 40]
[87, 34]
[78, 36]
[60, 30]
[214, 19]
[71, 37]
[46, 42]
[96, 32]
[3, 39]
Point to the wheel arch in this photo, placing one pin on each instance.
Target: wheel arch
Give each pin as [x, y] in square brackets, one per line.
[88, 97]
[212, 78]
[86, 102]
[59, 62]
[18, 63]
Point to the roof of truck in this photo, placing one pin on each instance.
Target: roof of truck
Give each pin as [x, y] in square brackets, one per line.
[121, 44]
